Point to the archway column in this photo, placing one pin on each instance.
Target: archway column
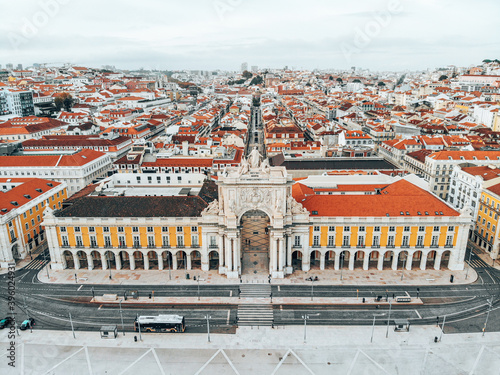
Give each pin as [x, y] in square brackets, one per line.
[118, 262]
[90, 261]
[351, 260]
[321, 262]
[423, 261]
[104, 261]
[204, 251]
[174, 262]
[289, 251]
[131, 261]
[160, 261]
[76, 260]
[395, 259]
[337, 261]
[409, 261]
[380, 262]
[437, 262]
[366, 261]
[306, 266]
[281, 260]
[145, 257]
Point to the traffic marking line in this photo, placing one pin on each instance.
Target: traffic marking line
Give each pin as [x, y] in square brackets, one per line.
[419, 316]
[81, 286]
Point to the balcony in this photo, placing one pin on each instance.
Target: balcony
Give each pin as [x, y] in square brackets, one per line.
[195, 246]
[122, 246]
[434, 246]
[151, 247]
[390, 246]
[65, 246]
[316, 245]
[180, 246]
[14, 239]
[360, 246]
[419, 246]
[376, 246]
[93, 246]
[213, 247]
[165, 246]
[346, 246]
[405, 246]
[448, 246]
[331, 246]
[297, 246]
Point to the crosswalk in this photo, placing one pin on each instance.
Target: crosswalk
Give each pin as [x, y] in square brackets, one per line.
[255, 314]
[36, 264]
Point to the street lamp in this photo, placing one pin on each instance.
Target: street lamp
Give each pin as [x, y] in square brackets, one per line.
[306, 317]
[468, 263]
[198, 280]
[169, 267]
[404, 265]
[490, 303]
[341, 264]
[121, 315]
[109, 265]
[312, 288]
[388, 319]
[208, 317]
[46, 265]
[373, 326]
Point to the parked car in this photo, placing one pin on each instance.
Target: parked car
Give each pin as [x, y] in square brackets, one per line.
[5, 322]
[27, 324]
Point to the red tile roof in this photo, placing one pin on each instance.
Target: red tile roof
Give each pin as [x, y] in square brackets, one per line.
[77, 159]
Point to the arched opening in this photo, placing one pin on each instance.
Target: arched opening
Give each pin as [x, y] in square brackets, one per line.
[315, 260]
[213, 260]
[344, 259]
[254, 237]
[417, 257]
[68, 257]
[431, 258]
[297, 260]
[402, 259]
[167, 260]
[445, 260]
[95, 256]
[195, 260]
[387, 264]
[153, 260]
[330, 260]
[15, 251]
[82, 259]
[124, 260]
[110, 260]
[373, 261]
[138, 260]
[181, 260]
[359, 258]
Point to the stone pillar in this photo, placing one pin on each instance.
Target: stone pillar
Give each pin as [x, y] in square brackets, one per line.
[118, 261]
[275, 252]
[204, 250]
[229, 255]
[76, 261]
[322, 262]
[174, 261]
[366, 261]
[188, 261]
[337, 261]
[351, 261]
[221, 251]
[90, 261]
[409, 261]
[104, 261]
[236, 253]
[160, 261]
[132, 261]
[395, 260]
[145, 256]
[289, 251]
[306, 265]
[380, 262]
[281, 259]
[423, 261]
[437, 262]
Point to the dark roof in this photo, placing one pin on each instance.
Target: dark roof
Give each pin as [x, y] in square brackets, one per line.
[332, 164]
[134, 207]
[209, 191]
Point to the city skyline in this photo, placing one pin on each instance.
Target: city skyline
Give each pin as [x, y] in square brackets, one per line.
[378, 35]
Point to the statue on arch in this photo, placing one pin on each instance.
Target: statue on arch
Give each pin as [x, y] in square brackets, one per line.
[244, 166]
[254, 158]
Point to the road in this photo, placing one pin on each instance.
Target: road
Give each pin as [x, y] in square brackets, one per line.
[465, 306]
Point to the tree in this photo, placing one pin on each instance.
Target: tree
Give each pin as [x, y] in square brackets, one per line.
[356, 81]
[246, 74]
[330, 78]
[339, 80]
[256, 81]
[443, 77]
[64, 100]
[380, 84]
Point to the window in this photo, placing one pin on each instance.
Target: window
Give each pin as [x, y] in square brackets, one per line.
[391, 229]
[406, 241]
[434, 242]
[79, 241]
[406, 229]
[296, 241]
[213, 241]
[164, 229]
[151, 241]
[107, 241]
[361, 228]
[315, 241]
[63, 229]
[137, 242]
[449, 241]
[105, 229]
[436, 229]
[91, 229]
[361, 241]
[165, 241]
[26, 225]
[451, 228]
[347, 229]
[346, 241]
[121, 240]
[93, 241]
[376, 241]
[179, 229]
[194, 229]
[316, 229]
[390, 241]
[33, 222]
[77, 229]
[194, 241]
[150, 229]
[420, 241]
[488, 225]
[376, 229]
[180, 241]
[421, 229]
[135, 229]
[65, 242]
[120, 229]
[331, 241]
[331, 229]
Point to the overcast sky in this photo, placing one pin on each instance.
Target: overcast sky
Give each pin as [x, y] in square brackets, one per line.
[221, 34]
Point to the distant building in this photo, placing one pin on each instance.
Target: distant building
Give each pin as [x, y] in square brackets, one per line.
[244, 66]
[19, 102]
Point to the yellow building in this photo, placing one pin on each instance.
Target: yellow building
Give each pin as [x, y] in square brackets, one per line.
[487, 232]
[22, 204]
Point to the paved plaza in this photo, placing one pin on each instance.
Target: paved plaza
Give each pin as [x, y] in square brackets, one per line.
[327, 350]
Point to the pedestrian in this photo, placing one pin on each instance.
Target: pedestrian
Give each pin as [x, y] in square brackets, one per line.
[393, 296]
